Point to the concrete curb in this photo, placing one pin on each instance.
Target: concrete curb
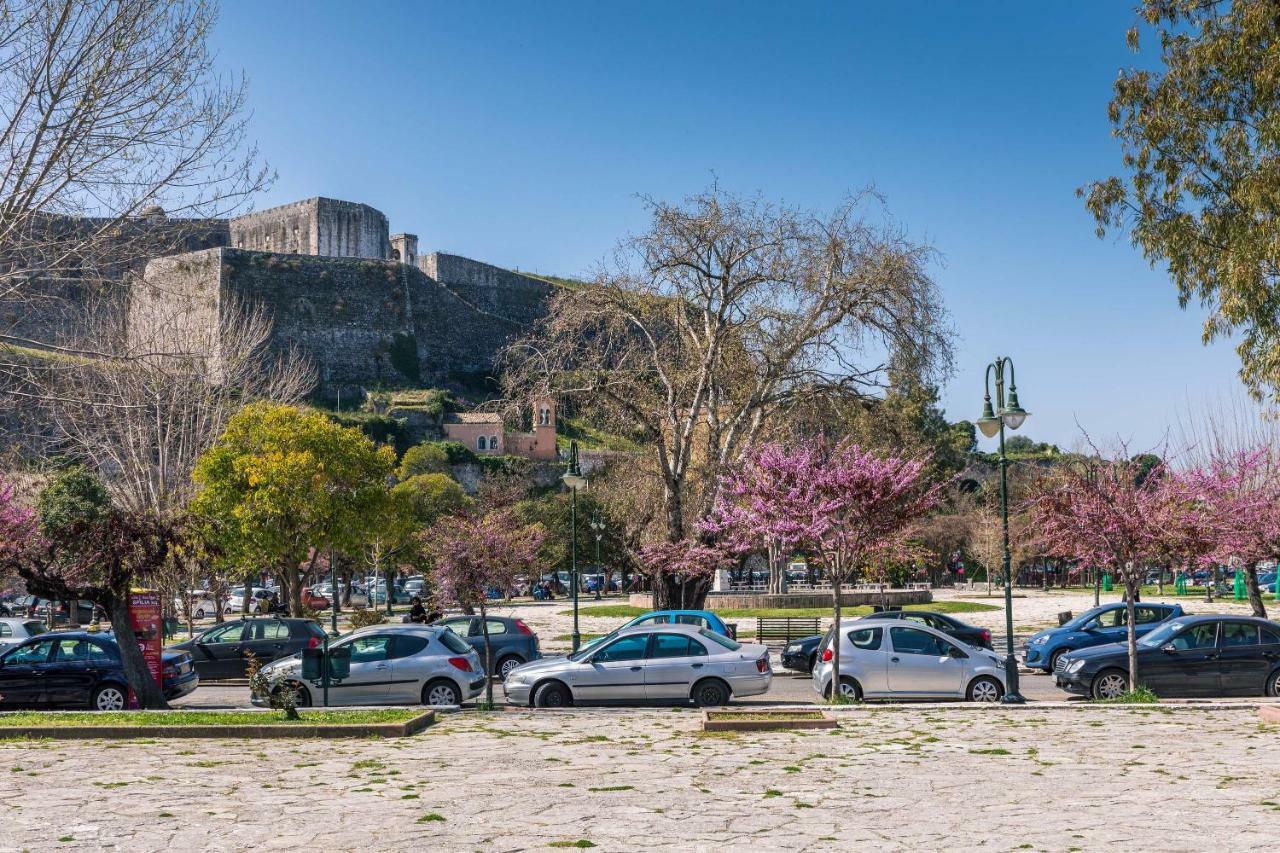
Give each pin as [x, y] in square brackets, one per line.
[1269, 713]
[270, 730]
[714, 721]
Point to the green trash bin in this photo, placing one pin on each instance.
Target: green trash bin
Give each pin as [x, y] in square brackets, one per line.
[1180, 584]
[1106, 582]
[1238, 586]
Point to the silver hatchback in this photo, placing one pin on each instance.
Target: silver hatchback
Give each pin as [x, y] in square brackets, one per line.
[647, 663]
[390, 665]
[882, 660]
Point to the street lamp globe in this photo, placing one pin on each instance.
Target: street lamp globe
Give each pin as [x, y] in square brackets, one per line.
[988, 423]
[1013, 415]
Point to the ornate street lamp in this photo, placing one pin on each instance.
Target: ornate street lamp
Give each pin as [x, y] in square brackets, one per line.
[574, 480]
[993, 421]
[597, 526]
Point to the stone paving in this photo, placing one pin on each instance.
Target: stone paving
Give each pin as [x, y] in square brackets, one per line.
[922, 778]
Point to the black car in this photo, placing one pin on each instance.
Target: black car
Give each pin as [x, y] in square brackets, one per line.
[220, 651]
[513, 642]
[800, 655]
[969, 634]
[1186, 656]
[80, 669]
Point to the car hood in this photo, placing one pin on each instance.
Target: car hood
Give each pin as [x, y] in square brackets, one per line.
[1105, 650]
[543, 664]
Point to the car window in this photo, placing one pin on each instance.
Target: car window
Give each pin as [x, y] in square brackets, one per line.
[690, 619]
[1270, 638]
[651, 620]
[720, 639]
[407, 644]
[30, 654]
[98, 653]
[913, 641]
[623, 649]
[1201, 636]
[494, 626]
[371, 649]
[34, 628]
[676, 646]
[70, 651]
[268, 629]
[1146, 615]
[5, 630]
[915, 617]
[1239, 634]
[453, 642]
[226, 634]
[1116, 618]
[461, 627]
[867, 639]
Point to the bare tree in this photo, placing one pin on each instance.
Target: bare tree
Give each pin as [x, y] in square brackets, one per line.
[119, 141]
[702, 333]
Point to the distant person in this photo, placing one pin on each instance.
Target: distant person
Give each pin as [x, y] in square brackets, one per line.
[417, 613]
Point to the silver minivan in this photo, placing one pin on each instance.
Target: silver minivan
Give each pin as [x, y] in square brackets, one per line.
[883, 660]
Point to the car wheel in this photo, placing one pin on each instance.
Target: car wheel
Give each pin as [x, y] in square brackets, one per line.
[441, 692]
[1053, 659]
[849, 689]
[1273, 683]
[985, 689]
[710, 693]
[199, 614]
[505, 665]
[303, 699]
[553, 694]
[1110, 684]
[108, 697]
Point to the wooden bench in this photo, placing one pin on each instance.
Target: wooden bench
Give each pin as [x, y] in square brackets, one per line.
[778, 631]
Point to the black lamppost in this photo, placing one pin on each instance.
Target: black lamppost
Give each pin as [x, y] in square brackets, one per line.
[597, 526]
[1006, 413]
[574, 480]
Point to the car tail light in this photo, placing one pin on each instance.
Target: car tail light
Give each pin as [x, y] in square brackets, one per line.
[826, 655]
[313, 642]
[986, 636]
[523, 628]
[170, 671]
[461, 663]
[762, 665]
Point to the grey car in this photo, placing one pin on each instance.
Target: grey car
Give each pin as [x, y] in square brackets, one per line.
[513, 642]
[15, 631]
[646, 664]
[881, 660]
[390, 665]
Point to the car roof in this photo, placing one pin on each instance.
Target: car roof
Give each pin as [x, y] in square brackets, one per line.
[677, 627]
[401, 628]
[1187, 619]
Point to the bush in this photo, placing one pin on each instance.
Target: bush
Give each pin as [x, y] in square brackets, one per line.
[458, 453]
[513, 465]
[381, 429]
[1141, 696]
[426, 458]
[366, 617]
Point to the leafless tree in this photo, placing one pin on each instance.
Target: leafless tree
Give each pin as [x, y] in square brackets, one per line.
[119, 141]
[702, 333]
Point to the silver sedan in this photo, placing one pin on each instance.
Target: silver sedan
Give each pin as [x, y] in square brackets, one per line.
[647, 663]
[390, 665]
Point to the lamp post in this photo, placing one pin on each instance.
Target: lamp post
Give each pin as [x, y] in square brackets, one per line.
[597, 526]
[1006, 413]
[573, 479]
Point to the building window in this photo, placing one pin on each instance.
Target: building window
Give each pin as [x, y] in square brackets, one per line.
[544, 416]
[481, 443]
[493, 442]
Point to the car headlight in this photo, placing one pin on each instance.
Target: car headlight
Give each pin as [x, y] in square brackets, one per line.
[1039, 641]
[1075, 666]
[794, 647]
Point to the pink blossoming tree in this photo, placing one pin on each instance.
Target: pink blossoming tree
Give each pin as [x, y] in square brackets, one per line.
[684, 561]
[854, 508]
[473, 553]
[1241, 495]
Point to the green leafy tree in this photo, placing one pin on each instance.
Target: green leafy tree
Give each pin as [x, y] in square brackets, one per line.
[554, 513]
[426, 458]
[1200, 140]
[285, 483]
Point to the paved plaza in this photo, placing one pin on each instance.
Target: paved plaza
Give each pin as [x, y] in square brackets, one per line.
[891, 778]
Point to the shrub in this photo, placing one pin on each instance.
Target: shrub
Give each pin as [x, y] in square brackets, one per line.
[381, 429]
[426, 458]
[366, 617]
[1141, 696]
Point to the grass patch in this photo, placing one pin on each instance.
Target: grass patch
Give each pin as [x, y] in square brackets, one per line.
[431, 818]
[626, 610]
[581, 844]
[994, 751]
[77, 719]
[608, 788]
[1141, 696]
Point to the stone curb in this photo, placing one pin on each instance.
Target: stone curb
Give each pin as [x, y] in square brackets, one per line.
[1269, 713]
[780, 722]
[867, 707]
[278, 730]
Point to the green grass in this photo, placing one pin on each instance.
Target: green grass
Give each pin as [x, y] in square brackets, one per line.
[581, 843]
[24, 719]
[626, 610]
[1141, 696]
[431, 818]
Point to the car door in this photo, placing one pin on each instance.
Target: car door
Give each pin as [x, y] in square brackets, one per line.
[499, 639]
[1187, 665]
[674, 663]
[612, 673]
[21, 679]
[410, 668]
[372, 671]
[67, 680]
[267, 639]
[1242, 667]
[866, 654]
[921, 664]
[216, 652]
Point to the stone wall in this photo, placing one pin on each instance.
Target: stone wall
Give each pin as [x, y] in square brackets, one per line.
[751, 601]
[315, 226]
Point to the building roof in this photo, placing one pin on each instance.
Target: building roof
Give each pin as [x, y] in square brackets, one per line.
[473, 418]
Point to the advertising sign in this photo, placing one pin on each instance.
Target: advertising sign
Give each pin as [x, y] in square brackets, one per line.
[146, 617]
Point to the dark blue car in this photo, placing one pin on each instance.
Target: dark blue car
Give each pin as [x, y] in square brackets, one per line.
[1096, 627]
[80, 669]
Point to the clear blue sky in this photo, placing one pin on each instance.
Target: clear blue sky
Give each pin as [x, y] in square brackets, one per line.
[520, 134]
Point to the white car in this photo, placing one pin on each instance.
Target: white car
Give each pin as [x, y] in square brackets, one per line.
[257, 601]
[358, 597]
[883, 660]
[644, 664]
[202, 604]
[390, 665]
[15, 631]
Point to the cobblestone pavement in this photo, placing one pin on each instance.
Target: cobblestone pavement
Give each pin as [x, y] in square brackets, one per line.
[925, 778]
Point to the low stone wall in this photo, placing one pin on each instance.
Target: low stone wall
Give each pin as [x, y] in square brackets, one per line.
[748, 601]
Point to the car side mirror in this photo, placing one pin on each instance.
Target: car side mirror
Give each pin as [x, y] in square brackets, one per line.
[1168, 647]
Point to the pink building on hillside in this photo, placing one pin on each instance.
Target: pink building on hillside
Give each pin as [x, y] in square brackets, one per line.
[485, 433]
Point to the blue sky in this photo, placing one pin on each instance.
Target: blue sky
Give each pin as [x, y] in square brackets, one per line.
[520, 134]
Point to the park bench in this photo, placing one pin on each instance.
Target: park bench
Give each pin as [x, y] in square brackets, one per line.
[778, 631]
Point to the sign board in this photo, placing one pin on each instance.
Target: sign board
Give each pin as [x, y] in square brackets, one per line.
[147, 619]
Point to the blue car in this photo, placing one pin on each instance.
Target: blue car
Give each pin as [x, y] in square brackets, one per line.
[701, 618]
[1096, 627]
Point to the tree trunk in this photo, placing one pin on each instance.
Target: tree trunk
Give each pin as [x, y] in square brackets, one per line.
[672, 593]
[389, 576]
[1254, 590]
[150, 696]
[1097, 586]
[488, 656]
[835, 638]
[1131, 591]
[248, 595]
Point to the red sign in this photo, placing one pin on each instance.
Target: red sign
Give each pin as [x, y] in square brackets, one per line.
[146, 618]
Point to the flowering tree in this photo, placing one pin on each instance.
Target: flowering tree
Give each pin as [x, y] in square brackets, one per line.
[849, 505]
[1241, 505]
[685, 561]
[472, 554]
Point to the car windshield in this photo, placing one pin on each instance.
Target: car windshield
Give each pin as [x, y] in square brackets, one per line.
[453, 642]
[592, 645]
[34, 628]
[1161, 635]
[721, 639]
